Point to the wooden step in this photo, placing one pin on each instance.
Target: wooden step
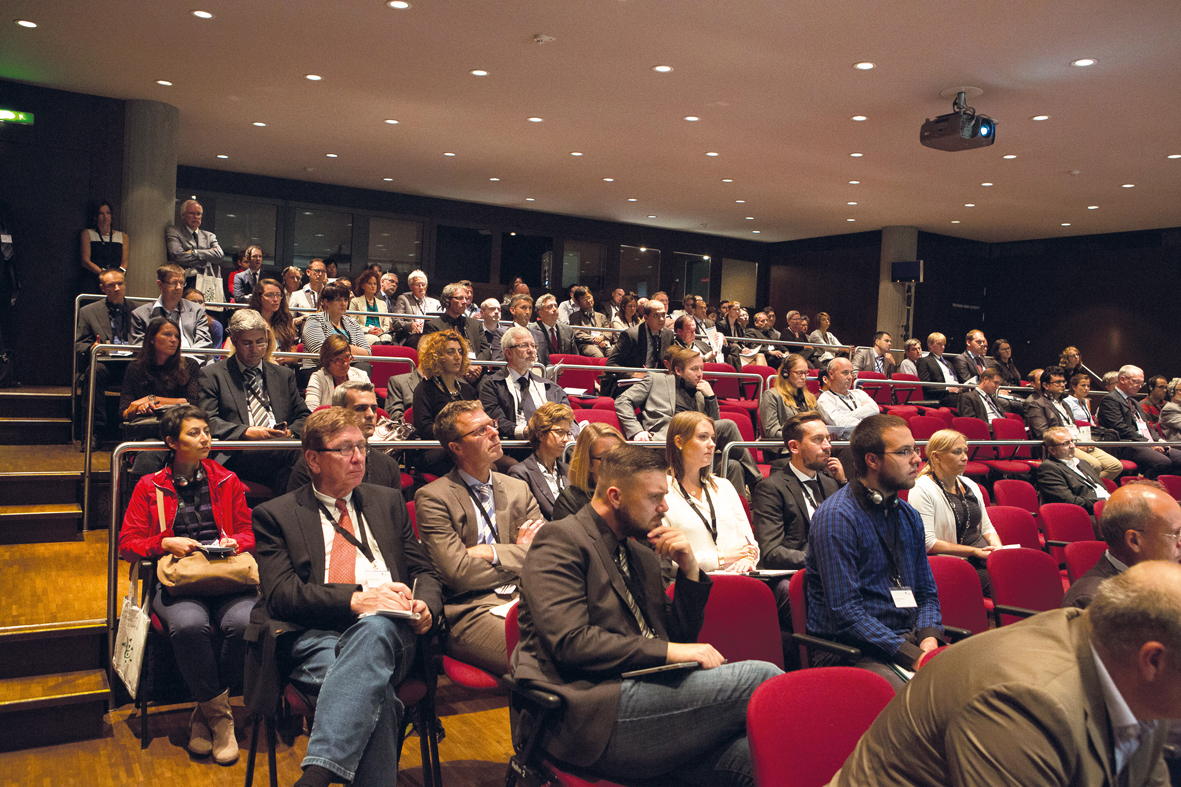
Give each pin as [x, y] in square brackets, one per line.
[35, 402]
[42, 649]
[34, 431]
[44, 487]
[40, 523]
[46, 710]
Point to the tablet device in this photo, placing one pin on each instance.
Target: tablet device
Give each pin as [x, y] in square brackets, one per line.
[399, 613]
[676, 665]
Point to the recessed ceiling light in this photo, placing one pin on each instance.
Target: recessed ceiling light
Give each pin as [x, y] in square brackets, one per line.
[1009, 157]
[850, 219]
[494, 180]
[631, 199]
[854, 182]
[1174, 155]
[727, 180]
[969, 204]
[864, 65]
[391, 121]
[163, 82]
[222, 155]
[1129, 185]
[449, 154]
[313, 77]
[1066, 224]
[740, 201]
[478, 72]
[756, 232]
[534, 120]
[850, 203]
[1040, 117]
[662, 69]
[750, 218]
[330, 155]
[401, 5]
[955, 221]
[608, 180]
[202, 14]
[575, 153]
[859, 118]
[1092, 207]
[529, 199]
[388, 180]
[651, 217]
[306, 212]
[26, 23]
[856, 155]
[1084, 62]
[692, 118]
[259, 123]
[711, 153]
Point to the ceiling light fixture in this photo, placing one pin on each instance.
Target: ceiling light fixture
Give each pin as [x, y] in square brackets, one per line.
[1009, 157]
[750, 218]
[864, 65]
[692, 118]
[850, 203]
[740, 201]
[969, 204]
[222, 155]
[856, 155]
[388, 180]
[401, 5]
[727, 180]
[651, 217]
[494, 180]
[529, 199]
[850, 219]
[202, 14]
[756, 232]
[854, 182]
[163, 82]
[576, 153]
[331, 155]
[662, 69]
[1040, 117]
[391, 121]
[534, 120]
[955, 221]
[608, 180]
[1174, 155]
[1084, 62]
[1065, 224]
[985, 184]
[711, 153]
[631, 199]
[313, 77]
[1129, 185]
[478, 72]
[259, 123]
[26, 23]
[449, 155]
[859, 118]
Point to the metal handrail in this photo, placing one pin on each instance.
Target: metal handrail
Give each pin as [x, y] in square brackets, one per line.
[554, 370]
[857, 383]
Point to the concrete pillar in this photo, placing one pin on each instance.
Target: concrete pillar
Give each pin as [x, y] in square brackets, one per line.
[899, 244]
[151, 138]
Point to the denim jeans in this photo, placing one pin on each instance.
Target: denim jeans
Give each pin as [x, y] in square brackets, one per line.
[350, 678]
[195, 624]
[688, 724]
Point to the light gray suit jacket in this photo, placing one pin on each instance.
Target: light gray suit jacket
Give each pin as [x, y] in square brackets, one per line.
[187, 254]
[192, 322]
[656, 396]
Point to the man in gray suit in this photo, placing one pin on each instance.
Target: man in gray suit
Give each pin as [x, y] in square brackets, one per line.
[592, 344]
[399, 395]
[104, 322]
[1069, 697]
[1062, 478]
[661, 396]
[478, 552]
[191, 247]
[972, 361]
[1140, 522]
[876, 358]
[194, 328]
[551, 335]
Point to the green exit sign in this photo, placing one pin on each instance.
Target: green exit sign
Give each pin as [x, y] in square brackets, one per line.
[10, 116]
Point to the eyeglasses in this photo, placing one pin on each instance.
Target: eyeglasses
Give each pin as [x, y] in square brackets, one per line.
[569, 435]
[347, 358]
[346, 451]
[1060, 445]
[1174, 537]
[481, 431]
[905, 453]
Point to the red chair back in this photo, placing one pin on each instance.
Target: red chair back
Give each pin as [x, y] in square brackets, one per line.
[1066, 522]
[1015, 526]
[578, 378]
[1110, 485]
[724, 387]
[1099, 504]
[1172, 483]
[768, 373]
[813, 386]
[1024, 578]
[905, 412]
[904, 393]
[741, 620]
[1081, 557]
[984, 495]
[1010, 429]
[821, 712]
[512, 631]
[944, 414]
[1014, 492]
[930, 654]
[740, 417]
[383, 371]
[961, 601]
[922, 427]
[879, 393]
[598, 416]
[975, 429]
[413, 518]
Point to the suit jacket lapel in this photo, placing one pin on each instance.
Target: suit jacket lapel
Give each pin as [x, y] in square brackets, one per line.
[797, 491]
[504, 524]
[238, 391]
[380, 525]
[1098, 726]
[609, 566]
[307, 516]
[469, 529]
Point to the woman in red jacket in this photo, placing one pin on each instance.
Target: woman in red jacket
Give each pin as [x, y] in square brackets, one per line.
[195, 502]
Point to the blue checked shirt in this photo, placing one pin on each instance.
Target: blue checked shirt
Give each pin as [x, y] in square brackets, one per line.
[848, 579]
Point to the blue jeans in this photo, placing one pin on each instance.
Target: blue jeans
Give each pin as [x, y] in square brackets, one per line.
[689, 724]
[350, 678]
[194, 624]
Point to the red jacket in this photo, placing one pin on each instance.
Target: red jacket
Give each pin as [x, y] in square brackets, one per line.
[140, 535]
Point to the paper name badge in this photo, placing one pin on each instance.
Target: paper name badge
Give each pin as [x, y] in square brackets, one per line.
[903, 598]
[375, 578]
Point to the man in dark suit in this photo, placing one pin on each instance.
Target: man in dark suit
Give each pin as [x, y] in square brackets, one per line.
[493, 330]
[685, 336]
[1045, 409]
[245, 281]
[1068, 697]
[643, 345]
[190, 316]
[935, 367]
[982, 401]
[592, 344]
[796, 333]
[552, 336]
[1120, 412]
[876, 358]
[249, 398]
[593, 607]
[476, 526]
[774, 354]
[511, 395]
[456, 299]
[330, 555]
[972, 361]
[1061, 478]
[103, 322]
[1139, 523]
[381, 469]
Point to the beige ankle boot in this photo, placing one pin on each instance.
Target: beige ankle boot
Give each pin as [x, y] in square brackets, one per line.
[200, 739]
[221, 722]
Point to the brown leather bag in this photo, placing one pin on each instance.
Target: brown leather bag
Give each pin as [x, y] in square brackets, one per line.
[196, 574]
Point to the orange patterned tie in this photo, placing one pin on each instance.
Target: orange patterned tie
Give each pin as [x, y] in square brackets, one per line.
[342, 566]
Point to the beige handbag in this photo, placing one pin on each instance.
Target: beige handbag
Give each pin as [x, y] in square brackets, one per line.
[196, 574]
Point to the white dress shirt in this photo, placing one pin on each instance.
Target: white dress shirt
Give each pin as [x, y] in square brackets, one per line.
[363, 565]
[848, 410]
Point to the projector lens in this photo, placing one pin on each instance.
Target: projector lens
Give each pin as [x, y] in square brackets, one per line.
[986, 128]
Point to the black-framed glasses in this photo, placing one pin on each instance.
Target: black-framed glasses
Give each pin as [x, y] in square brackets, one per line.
[346, 451]
[481, 430]
[905, 453]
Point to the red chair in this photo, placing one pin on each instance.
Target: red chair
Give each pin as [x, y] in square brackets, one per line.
[578, 378]
[922, 427]
[724, 387]
[961, 601]
[741, 620]
[798, 600]
[930, 654]
[1022, 494]
[1024, 582]
[813, 386]
[1081, 557]
[413, 518]
[383, 371]
[1129, 479]
[984, 495]
[1172, 483]
[1013, 429]
[598, 416]
[1015, 525]
[905, 412]
[802, 726]
[904, 393]
[880, 394]
[1099, 504]
[983, 457]
[944, 414]
[767, 372]
[1066, 522]
[1109, 485]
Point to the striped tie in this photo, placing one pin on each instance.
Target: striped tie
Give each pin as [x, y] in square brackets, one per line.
[259, 416]
[637, 613]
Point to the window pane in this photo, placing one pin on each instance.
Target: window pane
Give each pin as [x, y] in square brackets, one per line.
[395, 245]
[462, 253]
[525, 256]
[639, 270]
[240, 224]
[324, 234]
[695, 280]
[582, 263]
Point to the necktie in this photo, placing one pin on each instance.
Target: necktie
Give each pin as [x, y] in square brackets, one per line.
[342, 565]
[526, 408]
[813, 485]
[254, 398]
[880, 363]
[979, 363]
[553, 339]
[484, 493]
[625, 569]
[196, 240]
[650, 359]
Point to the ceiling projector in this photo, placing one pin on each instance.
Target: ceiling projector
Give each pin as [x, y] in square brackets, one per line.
[963, 129]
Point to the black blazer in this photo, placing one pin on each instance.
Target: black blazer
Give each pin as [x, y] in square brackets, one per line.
[631, 349]
[94, 320]
[499, 404]
[1057, 483]
[223, 398]
[1083, 589]
[467, 327]
[970, 406]
[566, 343]
[529, 471]
[965, 369]
[290, 552]
[1041, 414]
[931, 371]
[779, 515]
[1115, 413]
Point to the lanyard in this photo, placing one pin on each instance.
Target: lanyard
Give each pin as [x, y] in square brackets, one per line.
[712, 524]
[484, 511]
[891, 564]
[363, 544]
[843, 399]
[960, 495]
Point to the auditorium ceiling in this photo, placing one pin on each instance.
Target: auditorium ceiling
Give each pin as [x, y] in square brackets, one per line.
[772, 83]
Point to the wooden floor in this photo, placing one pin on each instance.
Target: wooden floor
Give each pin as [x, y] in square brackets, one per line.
[57, 582]
[49, 458]
[474, 752]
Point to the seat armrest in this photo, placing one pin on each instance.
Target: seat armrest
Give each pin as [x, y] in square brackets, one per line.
[808, 641]
[1019, 611]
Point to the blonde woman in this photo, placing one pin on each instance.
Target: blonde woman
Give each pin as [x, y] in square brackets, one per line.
[785, 397]
[594, 440]
[705, 506]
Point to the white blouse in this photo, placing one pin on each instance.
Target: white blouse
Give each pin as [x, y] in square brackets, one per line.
[938, 519]
[732, 525]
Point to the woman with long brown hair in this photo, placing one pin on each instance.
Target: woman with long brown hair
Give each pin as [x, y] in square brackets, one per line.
[594, 440]
[267, 299]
